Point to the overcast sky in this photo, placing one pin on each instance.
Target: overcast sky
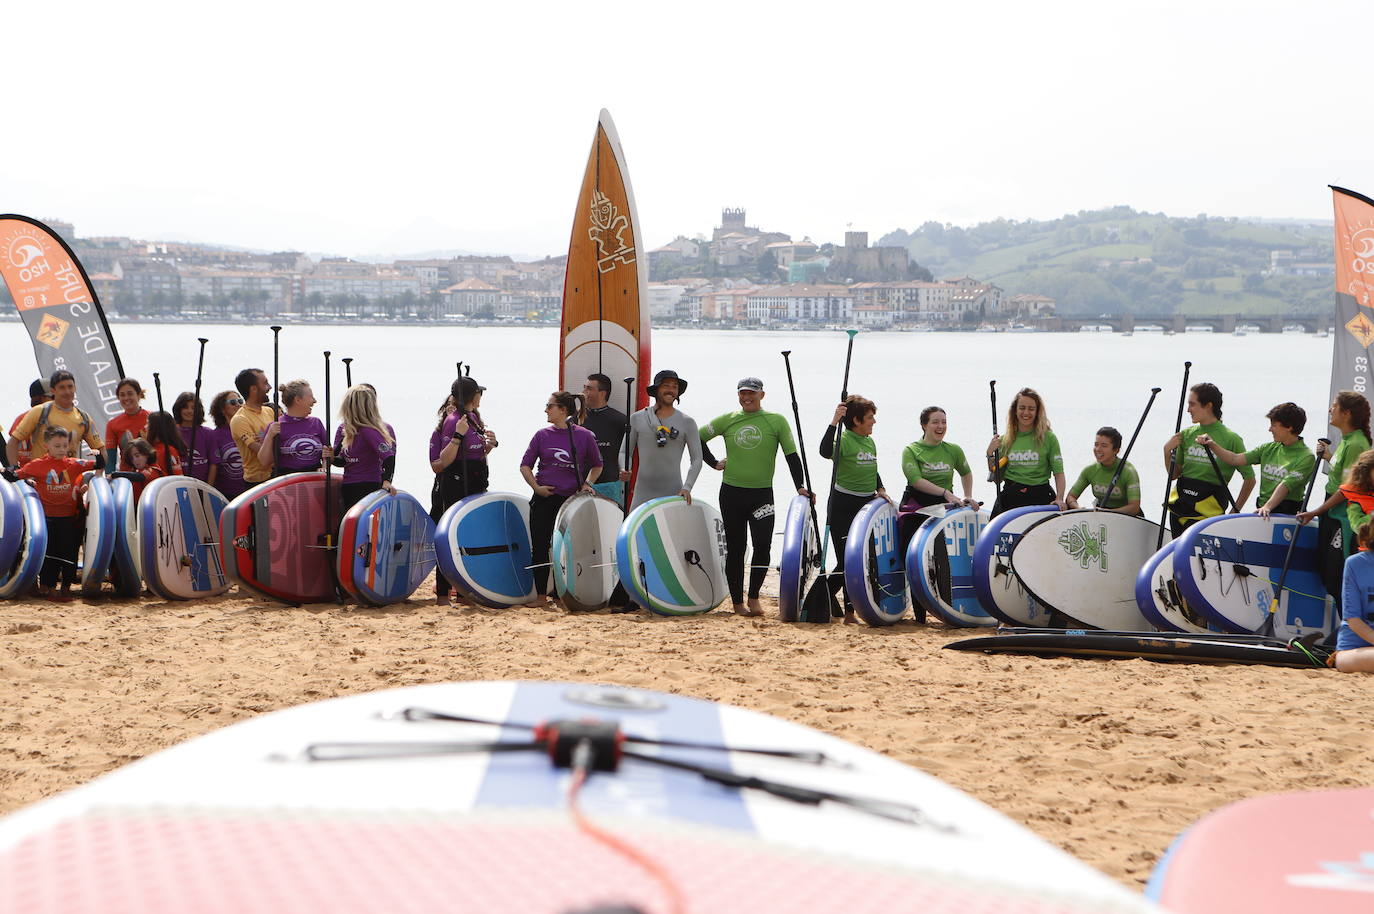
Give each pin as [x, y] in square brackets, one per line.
[396, 127]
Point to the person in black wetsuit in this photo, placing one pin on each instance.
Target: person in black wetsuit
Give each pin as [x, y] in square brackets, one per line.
[608, 425]
[458, 451]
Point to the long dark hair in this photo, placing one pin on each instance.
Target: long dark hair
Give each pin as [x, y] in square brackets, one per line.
[1358, 407]
[162, 429]
[182, 401]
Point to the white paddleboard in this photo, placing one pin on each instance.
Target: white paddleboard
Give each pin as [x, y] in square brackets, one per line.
[939, 567]
[999, 591]
[671, 556]
[1157, 595]
[583, 551]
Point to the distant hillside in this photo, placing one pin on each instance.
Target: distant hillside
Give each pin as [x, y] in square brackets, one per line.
[1115, 260]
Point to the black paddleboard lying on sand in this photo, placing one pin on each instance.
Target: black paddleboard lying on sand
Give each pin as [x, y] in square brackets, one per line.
[1192, 648]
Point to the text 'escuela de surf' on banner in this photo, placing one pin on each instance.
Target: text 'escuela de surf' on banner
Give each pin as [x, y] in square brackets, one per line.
[60, 310]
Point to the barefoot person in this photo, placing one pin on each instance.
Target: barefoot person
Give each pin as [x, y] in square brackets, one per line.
[857, 479]
[1125, 495]
[1032, 456]
[753, 438]
[1200, 492]
[1285, 463]
[562, 459]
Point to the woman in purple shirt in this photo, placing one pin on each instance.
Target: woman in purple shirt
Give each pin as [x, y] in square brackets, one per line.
[190, 415]
[458, 451]
[568, 462]
[297, 443]
[226, 466]
[367, 449]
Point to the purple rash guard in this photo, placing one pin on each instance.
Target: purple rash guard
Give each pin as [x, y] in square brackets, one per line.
[550, 449]
[224, 453]
[363, 459]
[300, 443]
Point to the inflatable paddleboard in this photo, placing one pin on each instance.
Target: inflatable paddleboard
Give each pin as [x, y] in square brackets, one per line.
[605, 323]
[124, 573]
[249, 818]
[1145, 646]
[874, 566]
[1277, 854]
[18, 576]
[671, 556]
[583, 551]
[482, 544]
[11, 525]
[97, 547]
[1084, 563]
[999, 591]
[178, 538]
[1157, 596]
[800, 558]
[386, 548]
[939, 567]
[273, 535]
[1227, 567]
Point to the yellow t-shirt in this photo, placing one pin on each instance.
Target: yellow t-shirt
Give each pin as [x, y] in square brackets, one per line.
[249, 427]
[70, 419]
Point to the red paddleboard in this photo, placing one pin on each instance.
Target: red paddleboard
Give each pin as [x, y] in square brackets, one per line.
[1311, 851]
[272, 537]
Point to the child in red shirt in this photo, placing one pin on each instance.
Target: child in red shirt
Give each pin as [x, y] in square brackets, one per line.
[58, 480]
[142, 456]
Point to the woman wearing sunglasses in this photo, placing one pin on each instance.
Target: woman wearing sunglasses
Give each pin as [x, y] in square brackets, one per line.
[226, 465]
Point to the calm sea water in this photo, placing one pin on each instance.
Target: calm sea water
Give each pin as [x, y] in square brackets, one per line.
[1088, 380]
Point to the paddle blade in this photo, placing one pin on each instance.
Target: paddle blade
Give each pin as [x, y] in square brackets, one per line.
[819, 604]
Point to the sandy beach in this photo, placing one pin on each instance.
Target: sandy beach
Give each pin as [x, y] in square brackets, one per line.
[1107, 759]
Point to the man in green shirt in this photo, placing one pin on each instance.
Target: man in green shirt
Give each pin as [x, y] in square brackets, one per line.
[1285, 463]
[752, 440]
[1202, 489]
[1124, 497]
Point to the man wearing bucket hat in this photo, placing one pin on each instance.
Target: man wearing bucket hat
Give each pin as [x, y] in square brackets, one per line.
[752, 439]
[659, 433]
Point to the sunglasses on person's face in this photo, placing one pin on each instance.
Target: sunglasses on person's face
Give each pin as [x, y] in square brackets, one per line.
[235, 402]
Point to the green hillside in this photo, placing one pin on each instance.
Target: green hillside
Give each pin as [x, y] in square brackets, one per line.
[1115, 260]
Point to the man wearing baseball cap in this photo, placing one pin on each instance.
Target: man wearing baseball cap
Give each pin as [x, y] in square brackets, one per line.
[752, 439]
[40, 392]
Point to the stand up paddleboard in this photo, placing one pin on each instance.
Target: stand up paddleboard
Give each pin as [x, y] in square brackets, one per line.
[671, 556]
[1157, 596]
[999, 591]
[18, 577]
[178, 538]
[482, 544]
[369, 803]
[583, 551]
[386, 548]
[939, 567]
[272, 539]
[1276, 854]
[11, 525]
[124, 573]
[798, 563]
[1084, 563]
[1227, 567]
[1145, 646]
[97, 548]
[605, 323]
[874, 566]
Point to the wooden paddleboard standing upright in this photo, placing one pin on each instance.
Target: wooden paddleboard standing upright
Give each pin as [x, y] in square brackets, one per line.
[605, 325]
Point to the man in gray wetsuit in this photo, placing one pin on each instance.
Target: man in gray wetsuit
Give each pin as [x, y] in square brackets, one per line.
[659, 433]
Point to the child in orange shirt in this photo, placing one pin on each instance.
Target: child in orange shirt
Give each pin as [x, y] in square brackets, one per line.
[142, 456]
[58, 480]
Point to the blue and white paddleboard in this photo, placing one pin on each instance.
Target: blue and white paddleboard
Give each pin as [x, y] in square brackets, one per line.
[800, 559]
[1084, 563]
[874, 566]
[18, 578]
[1157, 596]
[939, 567]
[11, 525]
[248, 818]
[178, 538]
[999, 591]
[583, 551]
[386, 548]
[124, 574]
[671, 556]
[1227, 568]
[102, 530]
[482, 544]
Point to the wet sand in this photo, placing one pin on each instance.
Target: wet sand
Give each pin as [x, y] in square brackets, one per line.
[1107, 759]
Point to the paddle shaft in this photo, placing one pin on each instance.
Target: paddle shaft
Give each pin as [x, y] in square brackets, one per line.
[629, 399]
[167, 449]
[801, 443]
[1216, 468]
[276, 402]
[328, 464]
[835, 452]
[1173, 456]
[993, 476]
[195, 402]
[1116, 477]
[1268, 627]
